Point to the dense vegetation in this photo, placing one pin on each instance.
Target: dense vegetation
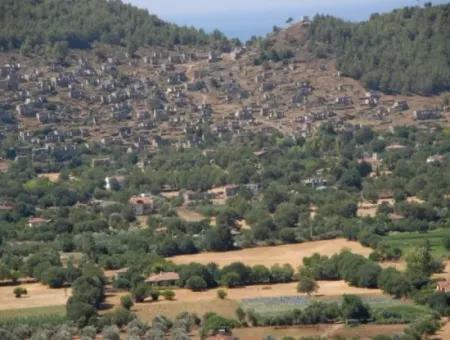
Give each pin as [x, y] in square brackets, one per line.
[403, 51]
[48, 24]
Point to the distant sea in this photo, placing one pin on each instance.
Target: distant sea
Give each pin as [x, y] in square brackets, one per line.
[244, 25]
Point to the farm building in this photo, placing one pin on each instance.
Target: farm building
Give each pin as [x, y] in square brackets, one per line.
[164, 279]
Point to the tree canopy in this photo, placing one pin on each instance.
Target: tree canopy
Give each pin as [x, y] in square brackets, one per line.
[405, 51]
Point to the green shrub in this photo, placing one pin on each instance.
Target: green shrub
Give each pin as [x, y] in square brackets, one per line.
[140, 292]
[168, 294]
[154, 294]
[196, 283]
[126, 302]
[19, 291]
[221, 294]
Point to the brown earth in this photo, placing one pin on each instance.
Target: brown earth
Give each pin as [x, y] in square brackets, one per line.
[38, 296]
[52, 177]
[268, 256]
[207, 301]
[363, 332]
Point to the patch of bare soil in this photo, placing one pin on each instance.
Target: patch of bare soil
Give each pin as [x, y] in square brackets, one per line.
[38, 296]
[268, 256]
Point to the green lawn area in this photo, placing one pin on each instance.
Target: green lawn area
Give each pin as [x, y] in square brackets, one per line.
[406, 241]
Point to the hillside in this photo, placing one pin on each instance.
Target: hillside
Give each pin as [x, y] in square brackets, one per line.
[30, 25]
[404, 51]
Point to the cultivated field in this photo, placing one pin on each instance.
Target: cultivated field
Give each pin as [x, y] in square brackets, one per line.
[363, 332]
[207, 301]
[268, 256]
[408, 241]
[38, 296]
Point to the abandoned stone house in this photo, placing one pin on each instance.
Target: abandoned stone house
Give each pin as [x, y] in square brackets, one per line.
[343, 100]
[96, 162]
[426, 114]
[400, 105]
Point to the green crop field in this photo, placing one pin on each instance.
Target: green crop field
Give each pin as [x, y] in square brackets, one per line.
[406, 241]
[35, 315]
[399, 310]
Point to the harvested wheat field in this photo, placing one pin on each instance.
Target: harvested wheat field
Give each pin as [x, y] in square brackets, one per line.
[326, 288]
[38, 296]
[147, 311]
[268, 256]
[207, 301]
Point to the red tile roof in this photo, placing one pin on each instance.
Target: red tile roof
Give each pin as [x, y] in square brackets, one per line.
[163, 277]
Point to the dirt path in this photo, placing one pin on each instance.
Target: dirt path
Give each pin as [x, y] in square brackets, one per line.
[268, 256]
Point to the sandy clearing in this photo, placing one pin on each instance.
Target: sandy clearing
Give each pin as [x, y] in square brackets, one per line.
[444, 332]
[189, 215]
[268, 256]
[38, 296]
[52, 177]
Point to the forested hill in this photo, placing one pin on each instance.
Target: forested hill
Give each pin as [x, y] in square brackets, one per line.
[405, 51]
[32, 24]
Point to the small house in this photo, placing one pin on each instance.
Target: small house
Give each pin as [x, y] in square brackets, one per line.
[142, 204]
[37, 222]
[163, 279]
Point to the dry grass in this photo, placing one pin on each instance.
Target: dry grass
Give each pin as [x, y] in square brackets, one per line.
[291, 253]
[207, 301]
[52, 177]
[147, 311]
[367, 209]
[189, 215]
[38, 296]
[444, 332]
[364, 332]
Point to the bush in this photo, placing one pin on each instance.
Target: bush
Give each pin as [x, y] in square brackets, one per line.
[19, 291]
[196, 283]
[140, 292]
[307, 285]
[80, 312]
[121, 317]
[354, 308]
[111, 333]
[168, 294]
[126, 302]
[231, 280]
[213, 323]
[446, 242]
[221, 294]
[154, 294]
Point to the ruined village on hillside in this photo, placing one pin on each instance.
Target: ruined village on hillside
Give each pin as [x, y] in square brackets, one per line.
[176, 97]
